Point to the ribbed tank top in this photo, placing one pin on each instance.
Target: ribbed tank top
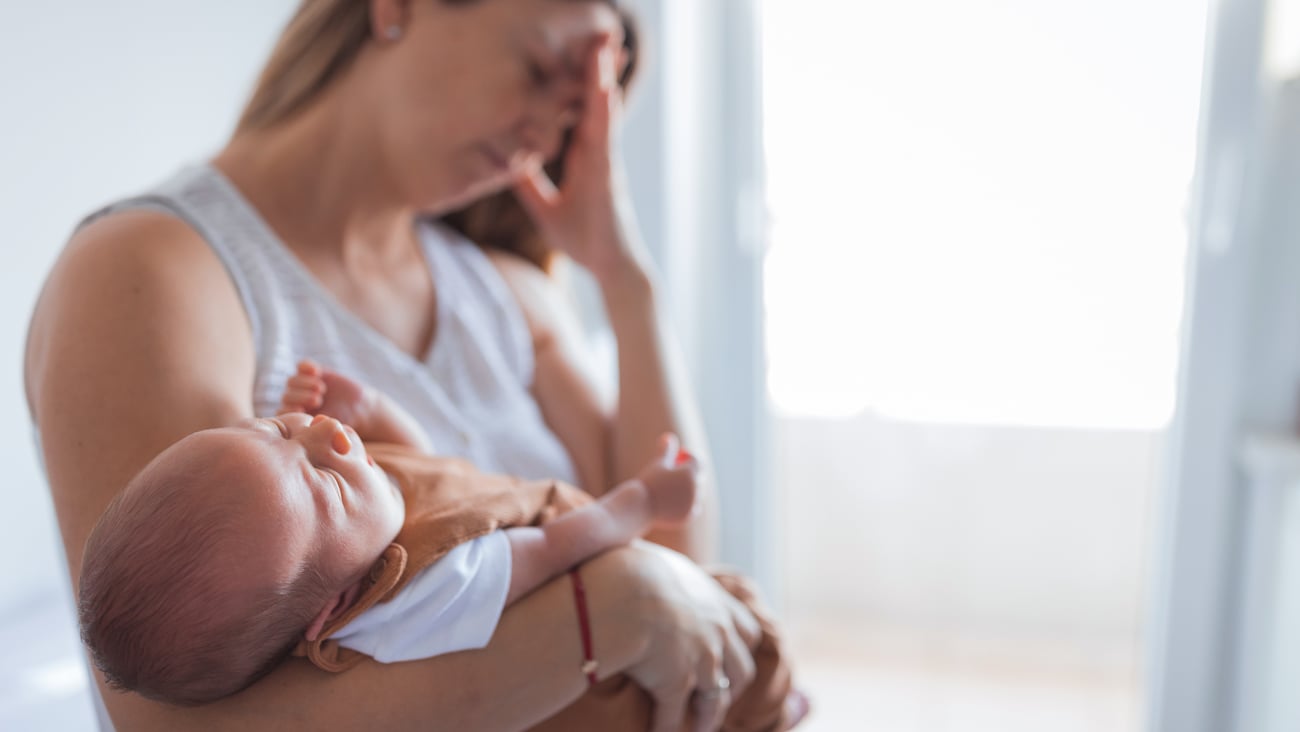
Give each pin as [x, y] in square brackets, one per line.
[470, 392]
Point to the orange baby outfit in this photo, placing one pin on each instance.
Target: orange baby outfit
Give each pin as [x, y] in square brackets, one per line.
[450, 502]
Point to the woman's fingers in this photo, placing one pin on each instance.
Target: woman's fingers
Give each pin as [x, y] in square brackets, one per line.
[601, 102]
[712, 701]
[738, 664]
[537, 194]
[670, 710]
[712, 694]
[746, 624]
[534, 189]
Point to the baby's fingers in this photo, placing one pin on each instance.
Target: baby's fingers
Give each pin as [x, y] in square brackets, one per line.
[301, 400]
[669, 447]
[306, 383]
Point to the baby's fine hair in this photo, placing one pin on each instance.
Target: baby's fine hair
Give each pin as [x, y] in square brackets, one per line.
[161, 604]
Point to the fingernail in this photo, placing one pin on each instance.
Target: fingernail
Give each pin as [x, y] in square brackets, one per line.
[318, 419]
[683, 457]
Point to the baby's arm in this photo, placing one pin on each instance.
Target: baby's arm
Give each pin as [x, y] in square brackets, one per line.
[662, 494]
[375, 416]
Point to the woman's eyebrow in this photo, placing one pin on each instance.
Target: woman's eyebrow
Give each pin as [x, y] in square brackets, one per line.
[572, 61]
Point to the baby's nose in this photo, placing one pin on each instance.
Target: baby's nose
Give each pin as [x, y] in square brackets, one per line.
[338, 436]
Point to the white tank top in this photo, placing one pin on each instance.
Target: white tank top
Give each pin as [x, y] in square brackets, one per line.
[470, 392]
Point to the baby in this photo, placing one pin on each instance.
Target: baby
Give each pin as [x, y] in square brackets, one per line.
[238, 545]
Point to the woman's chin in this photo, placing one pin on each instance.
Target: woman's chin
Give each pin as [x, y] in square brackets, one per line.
[471, 192]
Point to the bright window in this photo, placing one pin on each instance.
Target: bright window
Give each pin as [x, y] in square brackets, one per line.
[978, 209]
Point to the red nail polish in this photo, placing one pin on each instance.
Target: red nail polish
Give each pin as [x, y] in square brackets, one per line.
[683, 457]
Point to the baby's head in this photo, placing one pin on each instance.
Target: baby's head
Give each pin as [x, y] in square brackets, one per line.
[226, 550]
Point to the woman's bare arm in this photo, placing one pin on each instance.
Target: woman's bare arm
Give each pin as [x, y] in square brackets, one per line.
[610, 442]
[139, 339]
[590, 218]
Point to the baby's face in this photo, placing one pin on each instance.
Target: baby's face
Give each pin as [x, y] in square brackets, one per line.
[311, 493]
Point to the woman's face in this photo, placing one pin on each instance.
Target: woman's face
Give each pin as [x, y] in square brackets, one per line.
[472, 93]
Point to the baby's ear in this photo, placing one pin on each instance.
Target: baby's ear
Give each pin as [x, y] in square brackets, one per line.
[337, 605]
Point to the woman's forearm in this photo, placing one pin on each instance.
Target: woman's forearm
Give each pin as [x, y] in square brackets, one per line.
[530, 670]
[654, 397]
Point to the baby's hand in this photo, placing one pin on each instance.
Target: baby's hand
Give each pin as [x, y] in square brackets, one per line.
[318, 390]
[670, 482]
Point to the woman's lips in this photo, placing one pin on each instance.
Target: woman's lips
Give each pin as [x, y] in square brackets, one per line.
[499, 161]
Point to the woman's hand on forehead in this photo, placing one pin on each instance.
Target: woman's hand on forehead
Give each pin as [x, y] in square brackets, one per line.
[576, 36]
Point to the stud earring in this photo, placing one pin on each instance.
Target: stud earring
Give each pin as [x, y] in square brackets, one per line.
[394, 32]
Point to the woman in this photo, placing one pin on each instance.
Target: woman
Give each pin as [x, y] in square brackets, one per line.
[308, 236]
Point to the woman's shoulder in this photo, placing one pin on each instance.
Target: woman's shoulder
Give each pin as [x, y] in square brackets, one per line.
[140, 234]
[131, 253]
[128, 275]
[169, 225]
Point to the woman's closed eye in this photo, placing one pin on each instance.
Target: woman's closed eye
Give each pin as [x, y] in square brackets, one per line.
[539, 75]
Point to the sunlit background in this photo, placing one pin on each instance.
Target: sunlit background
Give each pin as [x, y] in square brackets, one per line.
[973, 298]
[979, 209]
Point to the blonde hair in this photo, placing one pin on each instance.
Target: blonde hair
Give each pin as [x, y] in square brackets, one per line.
[321, 40]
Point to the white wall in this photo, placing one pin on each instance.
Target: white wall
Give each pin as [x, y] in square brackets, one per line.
[692, 144]
[99, 100]
[1029, 534]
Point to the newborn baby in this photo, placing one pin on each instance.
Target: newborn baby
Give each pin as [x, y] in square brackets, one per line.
[238, 544]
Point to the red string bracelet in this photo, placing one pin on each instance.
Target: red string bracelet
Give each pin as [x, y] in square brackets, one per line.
[589, 663]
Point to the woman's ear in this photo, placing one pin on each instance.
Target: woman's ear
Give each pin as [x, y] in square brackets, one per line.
[337, 605]
[388, 19]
